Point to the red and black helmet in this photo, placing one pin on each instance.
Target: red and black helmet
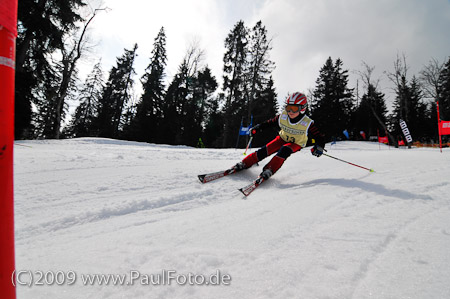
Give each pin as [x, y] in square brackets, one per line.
[296, 101]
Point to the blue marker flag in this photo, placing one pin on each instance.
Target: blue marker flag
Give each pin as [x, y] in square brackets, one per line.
[346, 133]
[246, 130]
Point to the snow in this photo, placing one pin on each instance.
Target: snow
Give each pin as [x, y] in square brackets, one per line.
[319, 228]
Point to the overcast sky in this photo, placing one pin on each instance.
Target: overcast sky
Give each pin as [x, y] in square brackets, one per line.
[305, 33]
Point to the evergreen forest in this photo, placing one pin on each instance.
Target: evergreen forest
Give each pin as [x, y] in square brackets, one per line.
[192, 108]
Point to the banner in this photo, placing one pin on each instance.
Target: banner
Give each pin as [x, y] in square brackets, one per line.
[246, 130]
[405, 131]
[444, 127]
[384, 140]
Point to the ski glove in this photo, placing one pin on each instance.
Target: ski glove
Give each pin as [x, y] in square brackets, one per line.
[254, 130]
[317, 151]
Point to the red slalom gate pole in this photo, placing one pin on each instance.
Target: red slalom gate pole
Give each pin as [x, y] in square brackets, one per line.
[8, 34]
[439, 126]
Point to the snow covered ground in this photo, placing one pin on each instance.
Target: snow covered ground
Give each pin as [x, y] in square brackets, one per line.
[319, 228]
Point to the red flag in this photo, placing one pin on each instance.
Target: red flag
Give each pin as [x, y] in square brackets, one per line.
[444, 127]
[363, 135]
[401, 142]
[383, 140]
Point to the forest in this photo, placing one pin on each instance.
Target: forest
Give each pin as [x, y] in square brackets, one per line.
[191, 108]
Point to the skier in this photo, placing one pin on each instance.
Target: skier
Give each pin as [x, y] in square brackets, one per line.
[295, 129]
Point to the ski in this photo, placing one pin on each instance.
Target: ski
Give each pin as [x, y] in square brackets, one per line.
[205, 178]
[252, 186]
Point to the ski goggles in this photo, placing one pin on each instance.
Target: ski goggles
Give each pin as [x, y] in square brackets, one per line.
[294, 108]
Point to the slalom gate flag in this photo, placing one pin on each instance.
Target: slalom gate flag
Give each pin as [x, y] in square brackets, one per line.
[383, 140]
[246, 130]
[363, 134]
[345, 132]
[444, 127]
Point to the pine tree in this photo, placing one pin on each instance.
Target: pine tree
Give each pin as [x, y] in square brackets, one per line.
[188, 100]
[408, 104]
[204, 102]
[370, 116]
[261, 97]
[432, 124]
[51, 101]
[444, 92]
[401, 110]
[234, 81]
[177, 106]
[172, 108]
[248, 83]
[260, 67]
[149, 110]
[41, 27]
[266, 107]
[213, 128]
[418, 113]
[44, 119]
[333, 107]
[115, 96]
[87, 111]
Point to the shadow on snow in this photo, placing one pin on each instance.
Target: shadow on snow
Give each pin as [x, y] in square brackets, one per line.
[364, 186]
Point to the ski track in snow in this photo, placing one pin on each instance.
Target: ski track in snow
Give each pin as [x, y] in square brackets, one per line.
[319, 228]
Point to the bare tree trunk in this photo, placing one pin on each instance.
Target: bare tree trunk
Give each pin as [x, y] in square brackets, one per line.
[69, 63]
[366, 77]
[429, 77]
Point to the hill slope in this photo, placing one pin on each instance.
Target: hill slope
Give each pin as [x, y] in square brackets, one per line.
[319, 228]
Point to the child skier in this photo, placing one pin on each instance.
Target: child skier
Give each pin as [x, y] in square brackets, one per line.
[295, 129]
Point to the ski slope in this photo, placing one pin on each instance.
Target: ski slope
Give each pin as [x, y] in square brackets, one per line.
[319, 228]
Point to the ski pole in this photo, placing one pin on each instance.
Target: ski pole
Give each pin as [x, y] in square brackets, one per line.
[248, 145]
[369, 169]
